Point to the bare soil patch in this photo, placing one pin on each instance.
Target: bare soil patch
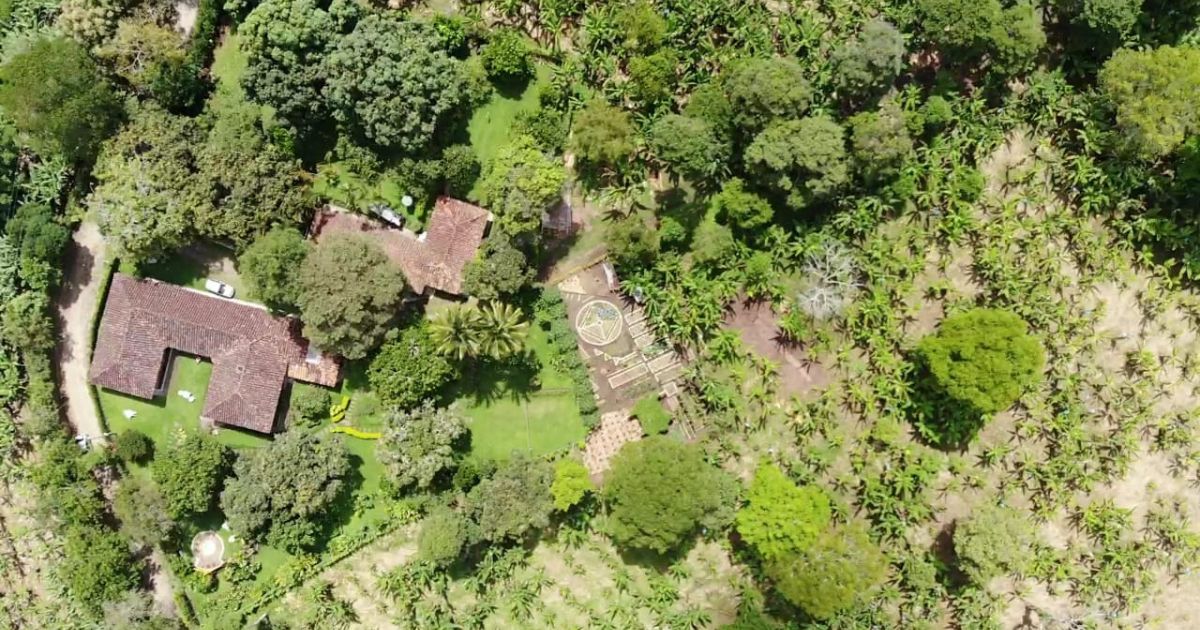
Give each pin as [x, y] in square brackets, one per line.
[756, 324]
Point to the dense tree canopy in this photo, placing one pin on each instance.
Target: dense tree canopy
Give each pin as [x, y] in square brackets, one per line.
[603, 134]
[408, 369]
[1154, 93]
[96, 566]
[280, 493]
[870, 61]
[499, 269]
[271, 267]
[572, 482]
[520, 183]
[349, 294]
[762, 91]
[443, 535]
[57, 97]
[741, 208]
[421, 444]
[803, 160]
[689, 146]
[839, 569]
[984, 358]
[286, 42]
[190, 473]
[993, 541]
[781, 519]
[660, 491]
[391, 82]
[149, 192]
[142, 510]
[515, 500]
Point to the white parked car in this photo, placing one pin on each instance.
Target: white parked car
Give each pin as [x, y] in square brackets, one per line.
[220, 288]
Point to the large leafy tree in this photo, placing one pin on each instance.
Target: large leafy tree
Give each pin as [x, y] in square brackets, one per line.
[280, 494]
[392, 82]
[349, 295]
[1154, 92]
[149, 192]
[286, 42]
[871, 61]
[142, 510]
[143, 52]
[421, 444]
[520, 183]
[765, 90]
[984, 358]
[880, 141]
[603, 134]
[500, 269]
[994, 540]
[804, 160]
[781, 518]
[572, 482]
[690, 146]
[190, 473]
[739, 207]
[659, 491]
[970, 30]
[257, 184]
[271, 267]
[96, 566]
[840, 569]
[514, 500]
[443, 535]
[57, 97]
[408, 369]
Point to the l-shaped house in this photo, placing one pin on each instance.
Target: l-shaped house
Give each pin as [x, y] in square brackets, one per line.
[254, 353]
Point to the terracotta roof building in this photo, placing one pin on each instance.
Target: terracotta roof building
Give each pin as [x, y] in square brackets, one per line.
[434, 259]
[253, 352]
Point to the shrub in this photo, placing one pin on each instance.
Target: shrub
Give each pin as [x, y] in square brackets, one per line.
[309, 405]
[651, 414]
[443, 536]
[572, 483]
[984, 358]
[134, 446]
[995, 540]
[506, 57]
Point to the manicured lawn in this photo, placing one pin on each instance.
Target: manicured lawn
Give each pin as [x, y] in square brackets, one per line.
[166, 416]
[229, 65]
[507, 413]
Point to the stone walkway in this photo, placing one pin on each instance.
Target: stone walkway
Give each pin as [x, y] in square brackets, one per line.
[73, 309]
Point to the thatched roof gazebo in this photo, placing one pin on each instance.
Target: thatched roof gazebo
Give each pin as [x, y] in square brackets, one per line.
[208, 552]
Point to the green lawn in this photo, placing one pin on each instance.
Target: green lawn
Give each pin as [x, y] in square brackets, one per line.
[228, 67]
[506, 414]
[491, 125]
[166, 416]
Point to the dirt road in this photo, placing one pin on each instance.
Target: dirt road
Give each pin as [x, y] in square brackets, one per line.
[73, 308]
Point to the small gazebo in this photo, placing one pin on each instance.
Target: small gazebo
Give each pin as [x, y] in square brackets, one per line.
[208, 552]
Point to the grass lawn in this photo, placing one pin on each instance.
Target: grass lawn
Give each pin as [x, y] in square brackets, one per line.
[189, 268]
[506, 414]
[166, 416]
[344, 188]
[491, 125]
[228, 67]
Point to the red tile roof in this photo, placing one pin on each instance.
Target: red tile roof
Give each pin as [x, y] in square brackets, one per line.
[252, 351]
[435, 260]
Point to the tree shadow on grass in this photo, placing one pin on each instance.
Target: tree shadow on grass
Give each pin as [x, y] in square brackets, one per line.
[486, 382]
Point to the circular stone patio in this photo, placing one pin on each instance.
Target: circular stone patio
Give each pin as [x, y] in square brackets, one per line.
[599, 322]
[208, 552]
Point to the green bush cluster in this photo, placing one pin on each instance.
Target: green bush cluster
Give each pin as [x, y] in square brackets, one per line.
[551, 314]
[651, 414]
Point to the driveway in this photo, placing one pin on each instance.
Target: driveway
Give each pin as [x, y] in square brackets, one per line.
[73, 309]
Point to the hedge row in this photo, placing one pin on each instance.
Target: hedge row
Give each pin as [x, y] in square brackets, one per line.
[550, 312]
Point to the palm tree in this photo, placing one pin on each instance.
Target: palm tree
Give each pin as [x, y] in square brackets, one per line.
[501, 330]
[455, 332]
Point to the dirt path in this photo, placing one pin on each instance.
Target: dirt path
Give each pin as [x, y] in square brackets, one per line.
[84, 264]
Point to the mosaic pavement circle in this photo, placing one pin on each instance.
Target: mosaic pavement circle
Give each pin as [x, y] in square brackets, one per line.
[599, 322]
